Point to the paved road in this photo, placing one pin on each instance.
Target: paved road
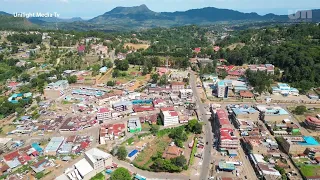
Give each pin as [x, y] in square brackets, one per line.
[208, 132]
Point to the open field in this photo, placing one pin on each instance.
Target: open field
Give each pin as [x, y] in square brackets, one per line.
[144, 158]
[234, 45]
[7, 128]
[136, 46]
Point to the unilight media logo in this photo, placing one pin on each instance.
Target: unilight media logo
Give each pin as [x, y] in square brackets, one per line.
[300, 15]
[36, 14]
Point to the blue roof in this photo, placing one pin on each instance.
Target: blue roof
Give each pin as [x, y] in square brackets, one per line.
[103, 69]
[309, 141]
[137, 176]
[226, 166]
[242, 110]
[132, 153]
[108, 171]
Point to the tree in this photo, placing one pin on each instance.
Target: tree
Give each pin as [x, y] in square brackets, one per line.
[72, 79]
[25, 77]
[121, 174]
[122, 153]
[115, 73]
[191, 124]
[122, 65]
[154, 129]
[111, 83]
[299, 110]
[109, 64]
[197, 128]
[179, 161]
[163, 80]
[223, 73]
[155, 78]
[1, 57]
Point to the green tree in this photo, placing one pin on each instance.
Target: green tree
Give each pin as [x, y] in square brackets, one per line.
[122, 153]
[163, 80]
[179, 161]
[154, 129]
[109, 64]
[155, 78]
[25, 77]
[299, 110]
[120, 174]
[111, 83]
[115, 73]
[197, 128]
[72, 79]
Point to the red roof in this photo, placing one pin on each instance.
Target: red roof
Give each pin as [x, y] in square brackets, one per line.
[175, 83]
[224, 135]
[223, 117]
[13, 84]
[81, 48]
[171, 108]
[216, 48]
[116, 128]
[197, 50]
[173, 113]
[103, 110]
[142, 108]
[11, 155]
[80, 78]
[313, 120]
[157, 101]
[84, 145]
[247, 94]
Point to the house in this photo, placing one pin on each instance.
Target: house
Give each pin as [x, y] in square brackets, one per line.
[222, 118]
[111, 132]
[227, 139]
[103, 69]
[246, 94]
[151, 119]
[5, 144]
[157, 103]
[223, 89]
[172, 152]
[81, 49]
[56, 89]
[169, 116]
[186, 94]
[134, 125]
[39, 166]
[103, 114]
[197, 50]
[269, 68]
[245, 112]
[122, 106]
[53, 146]
[161, 71]
[284, 89]
[272, 113]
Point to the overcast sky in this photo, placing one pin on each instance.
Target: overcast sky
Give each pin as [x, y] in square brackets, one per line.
[91, 8]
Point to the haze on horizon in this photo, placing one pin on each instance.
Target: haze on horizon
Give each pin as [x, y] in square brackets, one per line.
[91, 8]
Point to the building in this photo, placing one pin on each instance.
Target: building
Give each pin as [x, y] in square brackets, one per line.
[157, 103]
[269, 68]
[111, 132]
[186, 94]
[134, 125]
[56, 89]
[246, 94]
[177, 86]
[223, 88]
[221, 117]
[53, 146]
[298, 144]
[263, 168]
[172, 152]
[169, 116]
[224, 166]
[245, 112]
[122, 106]
[94, 162]
[284, 89]
[259, 145]
[5, 144]
[81, 49]
[103, 114]
[285, 127]
[227, 139]
[272, 113]
[312, 123]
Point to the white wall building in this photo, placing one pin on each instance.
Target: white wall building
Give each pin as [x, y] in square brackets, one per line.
[104, 114]
[169, 118]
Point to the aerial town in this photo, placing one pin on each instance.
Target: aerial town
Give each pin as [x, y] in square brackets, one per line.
[185, 102]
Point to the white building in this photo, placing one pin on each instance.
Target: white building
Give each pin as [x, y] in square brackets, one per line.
[55, 90]
[185, 94]
[104, 114]
[285, 89]
[169, 117]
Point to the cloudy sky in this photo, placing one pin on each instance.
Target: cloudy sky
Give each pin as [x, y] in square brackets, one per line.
[91, 8]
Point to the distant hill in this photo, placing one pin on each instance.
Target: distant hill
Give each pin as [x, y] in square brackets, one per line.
[141, 17]
[7, 21]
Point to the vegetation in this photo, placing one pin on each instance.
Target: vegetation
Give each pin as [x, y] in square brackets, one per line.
[194, 126]
[193, 151]
[261, 81]
[122, 153]
[99, 176]
[294, 49]
[299, 110]
[120, 174]
[173, 165]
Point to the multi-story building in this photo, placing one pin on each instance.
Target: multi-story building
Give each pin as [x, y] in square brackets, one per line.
[53, 146]
[227, 139]
[104, 114]
[186, 94]
[298, 144]
[56, 89]
[134, 125]
[169, 116]
[122, 106]
[111, 132]
[221, 117]
[259, 145]
[269, 68]
[285, 89]
[312, 123]
[223, 88]
[176, 86]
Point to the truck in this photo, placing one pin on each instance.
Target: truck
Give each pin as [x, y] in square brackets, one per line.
[236, 163]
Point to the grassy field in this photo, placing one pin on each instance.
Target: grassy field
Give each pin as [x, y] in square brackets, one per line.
[234, 45]
[7, 128]
[144, 158]
[136, 46]
[310, 170]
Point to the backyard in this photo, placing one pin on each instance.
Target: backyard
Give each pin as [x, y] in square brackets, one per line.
[306, 168]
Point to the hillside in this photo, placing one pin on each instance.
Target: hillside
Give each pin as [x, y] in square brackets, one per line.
[7, 21]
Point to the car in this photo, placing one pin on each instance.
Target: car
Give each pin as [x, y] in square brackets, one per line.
[131, 165]
[245, 177]
[207, 143]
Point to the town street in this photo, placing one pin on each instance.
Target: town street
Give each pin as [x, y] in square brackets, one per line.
[207, 128]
